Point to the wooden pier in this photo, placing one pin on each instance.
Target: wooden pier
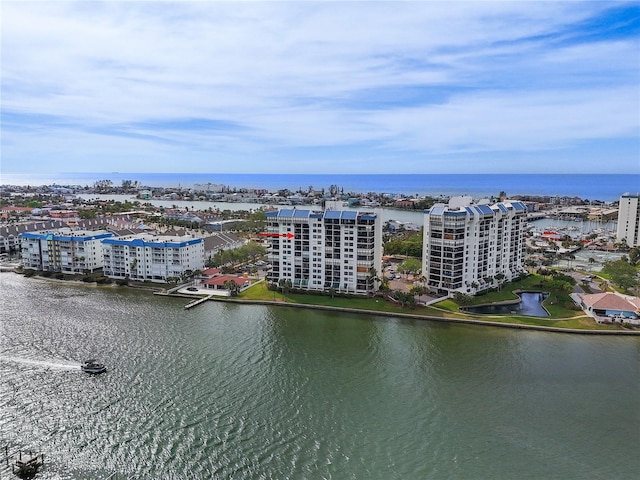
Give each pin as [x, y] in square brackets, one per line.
[26, 465]
[198, 301]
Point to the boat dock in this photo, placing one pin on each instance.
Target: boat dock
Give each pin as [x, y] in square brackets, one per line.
[197, 301]
[25, 466]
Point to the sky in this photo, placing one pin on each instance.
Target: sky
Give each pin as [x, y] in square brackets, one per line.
[320, 87]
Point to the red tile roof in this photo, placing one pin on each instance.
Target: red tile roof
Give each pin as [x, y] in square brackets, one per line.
[612, 301]
[220, 279]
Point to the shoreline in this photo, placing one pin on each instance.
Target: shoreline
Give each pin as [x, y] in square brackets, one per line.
[601, 187]
[413, 316]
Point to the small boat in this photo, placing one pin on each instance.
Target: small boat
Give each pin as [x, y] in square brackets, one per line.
[92, 366]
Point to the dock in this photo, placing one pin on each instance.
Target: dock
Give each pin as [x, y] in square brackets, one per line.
[26, 466]
[197, 301]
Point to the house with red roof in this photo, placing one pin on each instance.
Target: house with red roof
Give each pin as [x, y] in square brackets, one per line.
[217, 282]
[210, 272]
[612, 307]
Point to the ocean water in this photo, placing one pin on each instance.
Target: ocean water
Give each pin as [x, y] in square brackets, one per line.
[605, 187]
[253, 392]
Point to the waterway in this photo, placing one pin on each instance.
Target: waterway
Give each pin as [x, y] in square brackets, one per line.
[231, 391]
[386, 214]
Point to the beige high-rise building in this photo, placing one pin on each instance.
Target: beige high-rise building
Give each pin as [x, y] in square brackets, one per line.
[629, 220]
[324, 250]
[471, 247]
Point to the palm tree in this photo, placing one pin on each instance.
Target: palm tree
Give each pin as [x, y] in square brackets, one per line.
[384, 284]
[372, 279]
[232, 287]
[285, 284]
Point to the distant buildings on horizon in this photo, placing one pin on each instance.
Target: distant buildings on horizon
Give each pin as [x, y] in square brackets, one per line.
[467, 247]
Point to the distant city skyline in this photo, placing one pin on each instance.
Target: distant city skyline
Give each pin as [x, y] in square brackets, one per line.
[320, 87]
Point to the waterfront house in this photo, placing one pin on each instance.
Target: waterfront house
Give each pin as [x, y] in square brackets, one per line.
[210, 272]
[611, 307]
[219, 282]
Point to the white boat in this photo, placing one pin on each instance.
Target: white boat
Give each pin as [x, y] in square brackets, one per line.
[92, 366]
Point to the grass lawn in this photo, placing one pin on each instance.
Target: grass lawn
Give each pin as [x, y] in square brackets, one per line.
[561, 318]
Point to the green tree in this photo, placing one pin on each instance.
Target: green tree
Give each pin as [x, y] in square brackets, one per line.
[372, 279]
[103, 185]
[409, 244]
[384, 284]
[462, 299]
[622, 273]
[87, 214]
[417, 290]
[405, 299]
[410, 265]
[232, 287]
[285, 285]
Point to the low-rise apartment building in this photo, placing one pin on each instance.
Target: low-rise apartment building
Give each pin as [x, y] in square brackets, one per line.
[151, 257]
[63, 250]
[10, 241]
[471, 247]
[324, 250]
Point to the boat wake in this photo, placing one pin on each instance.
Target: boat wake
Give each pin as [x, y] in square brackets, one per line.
[41, 363]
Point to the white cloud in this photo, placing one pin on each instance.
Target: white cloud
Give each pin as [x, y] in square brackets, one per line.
[497, 76]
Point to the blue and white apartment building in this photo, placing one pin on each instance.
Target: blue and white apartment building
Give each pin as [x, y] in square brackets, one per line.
[63, 250]
[471, 247]
[150, 257]
[323, 250]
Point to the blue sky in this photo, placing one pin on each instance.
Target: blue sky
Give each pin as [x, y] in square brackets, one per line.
[321, 87]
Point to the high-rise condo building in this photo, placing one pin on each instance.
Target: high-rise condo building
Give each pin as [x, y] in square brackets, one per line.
[471, 247]
[629, 220]
[325, 250]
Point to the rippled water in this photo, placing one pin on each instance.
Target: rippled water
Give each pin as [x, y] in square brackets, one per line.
[227, 391]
